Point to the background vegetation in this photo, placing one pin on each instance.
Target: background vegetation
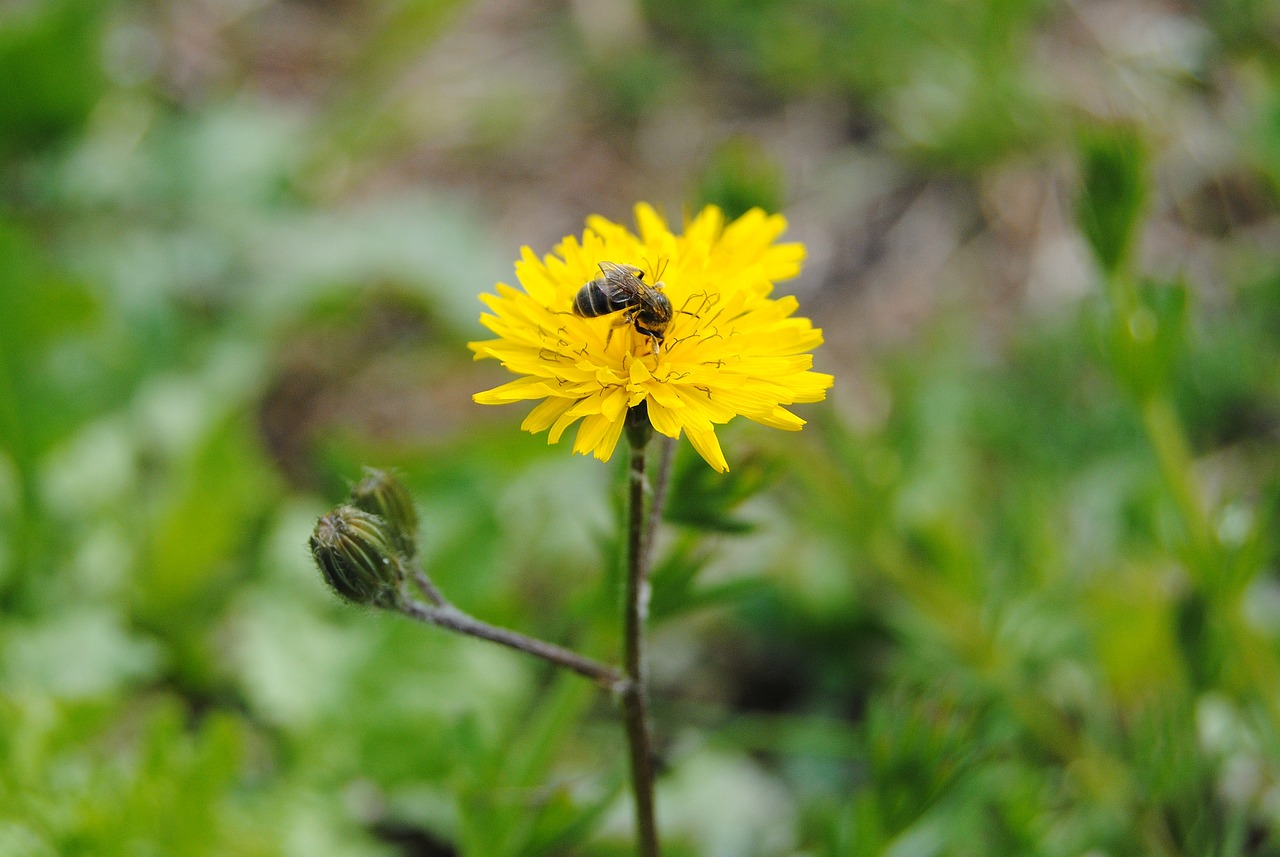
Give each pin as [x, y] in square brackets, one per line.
[1013, 591]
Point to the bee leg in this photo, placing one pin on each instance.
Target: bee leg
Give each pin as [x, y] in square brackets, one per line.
[654, 336]
[621, 322]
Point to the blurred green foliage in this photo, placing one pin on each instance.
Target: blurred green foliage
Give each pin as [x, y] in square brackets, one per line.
[1021, 598]
[50, 61]
[740, 177]
[953, 82]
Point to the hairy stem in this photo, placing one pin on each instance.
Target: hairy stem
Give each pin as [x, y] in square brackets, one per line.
[428, 586]
[634, 696]
[447, 616]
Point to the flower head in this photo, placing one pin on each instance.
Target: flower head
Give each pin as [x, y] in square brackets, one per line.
[729, 349]
[380, 493]
[356, 554]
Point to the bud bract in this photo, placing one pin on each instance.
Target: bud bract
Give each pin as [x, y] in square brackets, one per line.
[357, 555]
[379, 493]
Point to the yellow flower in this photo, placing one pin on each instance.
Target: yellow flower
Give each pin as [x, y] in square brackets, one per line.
[730, 349]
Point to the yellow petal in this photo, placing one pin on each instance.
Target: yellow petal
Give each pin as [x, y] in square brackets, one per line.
[557, 428]
[704, 441]
[604, 449]
[664, 420]
[545, 414]
[514, 391]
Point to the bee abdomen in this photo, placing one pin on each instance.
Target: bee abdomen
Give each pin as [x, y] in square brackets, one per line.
[591, 301]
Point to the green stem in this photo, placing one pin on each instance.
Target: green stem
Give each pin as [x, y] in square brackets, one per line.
[1173, 454]
[1164, 432]
[14, 435]
[634, 697]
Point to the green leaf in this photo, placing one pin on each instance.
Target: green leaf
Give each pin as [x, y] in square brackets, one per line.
[40, 307]
[672, 580]
[740, 176]
[675, 590]
[703, 499]
[1113, 189]
[49, 61]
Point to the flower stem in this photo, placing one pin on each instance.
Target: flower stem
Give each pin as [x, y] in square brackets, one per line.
[1173, 454]
[445, 615]
[1168, 442]
[427, 585]
[634, 695]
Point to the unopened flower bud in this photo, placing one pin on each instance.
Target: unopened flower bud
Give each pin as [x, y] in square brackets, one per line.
[357, 555]
[379, 493]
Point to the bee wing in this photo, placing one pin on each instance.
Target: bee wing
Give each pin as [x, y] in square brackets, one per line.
[623, 286]
[613, 269]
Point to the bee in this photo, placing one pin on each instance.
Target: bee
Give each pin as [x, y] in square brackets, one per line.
[621, 288]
